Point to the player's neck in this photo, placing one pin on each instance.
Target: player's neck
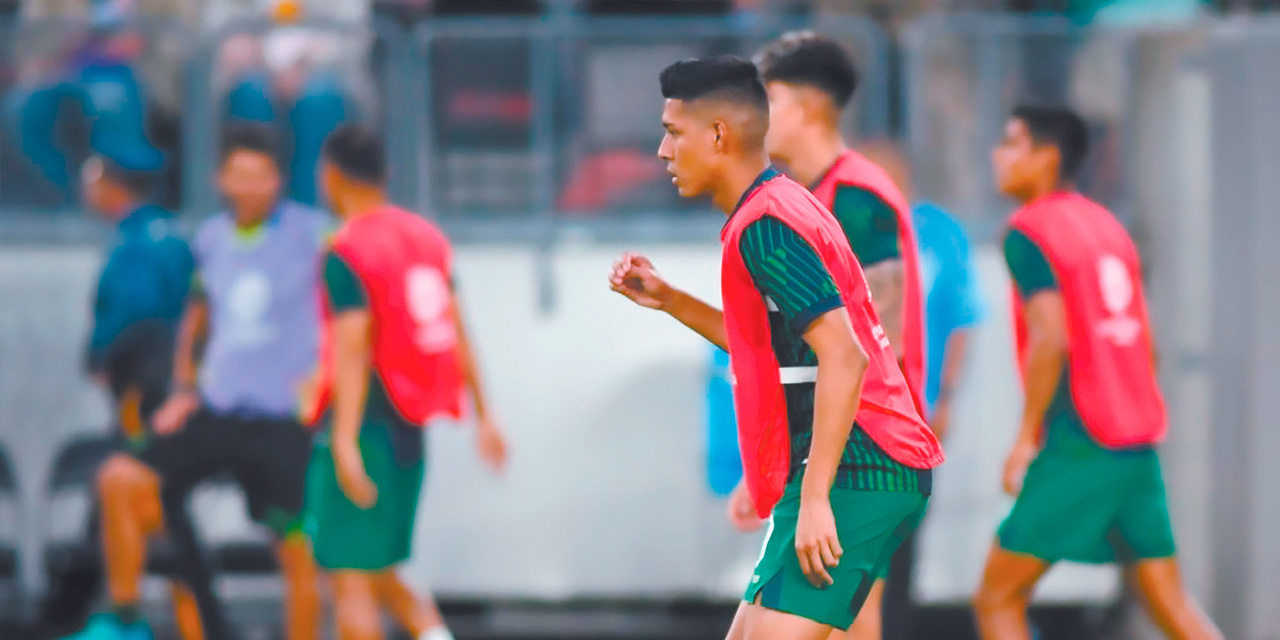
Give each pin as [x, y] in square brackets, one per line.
[821, 151]
[360, 202]
[1044, 189]
[737, 178]
[247, 219]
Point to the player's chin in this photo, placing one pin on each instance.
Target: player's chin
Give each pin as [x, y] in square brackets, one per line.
[685, 189]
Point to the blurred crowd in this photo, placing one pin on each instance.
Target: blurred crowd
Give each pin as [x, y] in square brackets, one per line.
[113, 76]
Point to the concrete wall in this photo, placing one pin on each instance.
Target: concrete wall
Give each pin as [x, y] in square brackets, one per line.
[606, 494]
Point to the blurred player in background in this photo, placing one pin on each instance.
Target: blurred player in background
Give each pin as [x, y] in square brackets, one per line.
[832, 444]
[140, 291]
[254, 302]
[137, 307]
[395, 355]
[952, 308]
[948, 281]
[810, 80]
[1084, 466]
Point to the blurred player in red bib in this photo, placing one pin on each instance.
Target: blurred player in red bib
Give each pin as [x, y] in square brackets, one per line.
[394, 355]
[1084, 467]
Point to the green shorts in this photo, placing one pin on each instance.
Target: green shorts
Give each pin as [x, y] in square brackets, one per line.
[870, 524]
[1097, 508]
[346, 537]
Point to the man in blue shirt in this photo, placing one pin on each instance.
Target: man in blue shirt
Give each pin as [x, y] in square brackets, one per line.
[952, 306]
[140, 298]
[140, 292]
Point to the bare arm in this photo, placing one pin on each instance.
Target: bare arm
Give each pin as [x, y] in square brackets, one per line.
[191, 332]
[886, 280]
[633, 276]
[351, 372]
[490, 440]
[185, 399]
[842, 363]
[1046, 354]
[470, 367]
[705, 320]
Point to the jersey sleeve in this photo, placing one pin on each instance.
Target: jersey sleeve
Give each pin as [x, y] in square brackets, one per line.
[869, 223]
[787, 270]
[342, 285]
[1028, 266]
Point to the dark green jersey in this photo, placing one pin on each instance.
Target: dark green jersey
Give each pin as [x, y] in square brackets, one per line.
[787, 271]
[869, 223]
[1031, 274]
[346, 293]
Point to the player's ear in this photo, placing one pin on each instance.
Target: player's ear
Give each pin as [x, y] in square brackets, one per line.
[720, 132]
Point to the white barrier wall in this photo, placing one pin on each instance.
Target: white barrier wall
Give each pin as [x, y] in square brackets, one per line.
[605, 404]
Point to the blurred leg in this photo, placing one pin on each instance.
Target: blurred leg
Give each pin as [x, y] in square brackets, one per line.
[414, 614]
[1005, 593]
[1166, 600]
[738, 630]
[356, 606]
[186, 613]
[302, 588]
[131, 513]
[193, 567]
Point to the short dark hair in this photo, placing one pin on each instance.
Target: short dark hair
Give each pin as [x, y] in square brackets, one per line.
[1060, 127]
[806, 58]
[358, 152]
[249, 136]
[728, 78]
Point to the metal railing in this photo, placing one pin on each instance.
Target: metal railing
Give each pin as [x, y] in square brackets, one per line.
[501, 128]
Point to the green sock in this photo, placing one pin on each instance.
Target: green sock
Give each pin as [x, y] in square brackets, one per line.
[127, 614]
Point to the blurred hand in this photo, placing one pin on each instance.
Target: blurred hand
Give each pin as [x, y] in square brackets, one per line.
[352, 477]
[633, 276]
[1015, 466]
[817, 543]
[941, 419]
[492, 445]
[309, 394]
[742, 510]
[173, 414]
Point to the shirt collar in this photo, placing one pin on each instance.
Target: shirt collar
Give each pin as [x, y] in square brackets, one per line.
[140, 217]
[255, 232]
[826, 174]
[769, 173]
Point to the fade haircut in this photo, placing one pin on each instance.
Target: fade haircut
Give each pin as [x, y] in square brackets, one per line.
[357, 151]
[249, 136]
[726, 79]
[805, 58]
[1061, 128]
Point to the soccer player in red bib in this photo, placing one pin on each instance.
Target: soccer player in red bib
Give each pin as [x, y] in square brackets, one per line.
[394, 356]
[834, 451]
[1084, 467]
[810, 80]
